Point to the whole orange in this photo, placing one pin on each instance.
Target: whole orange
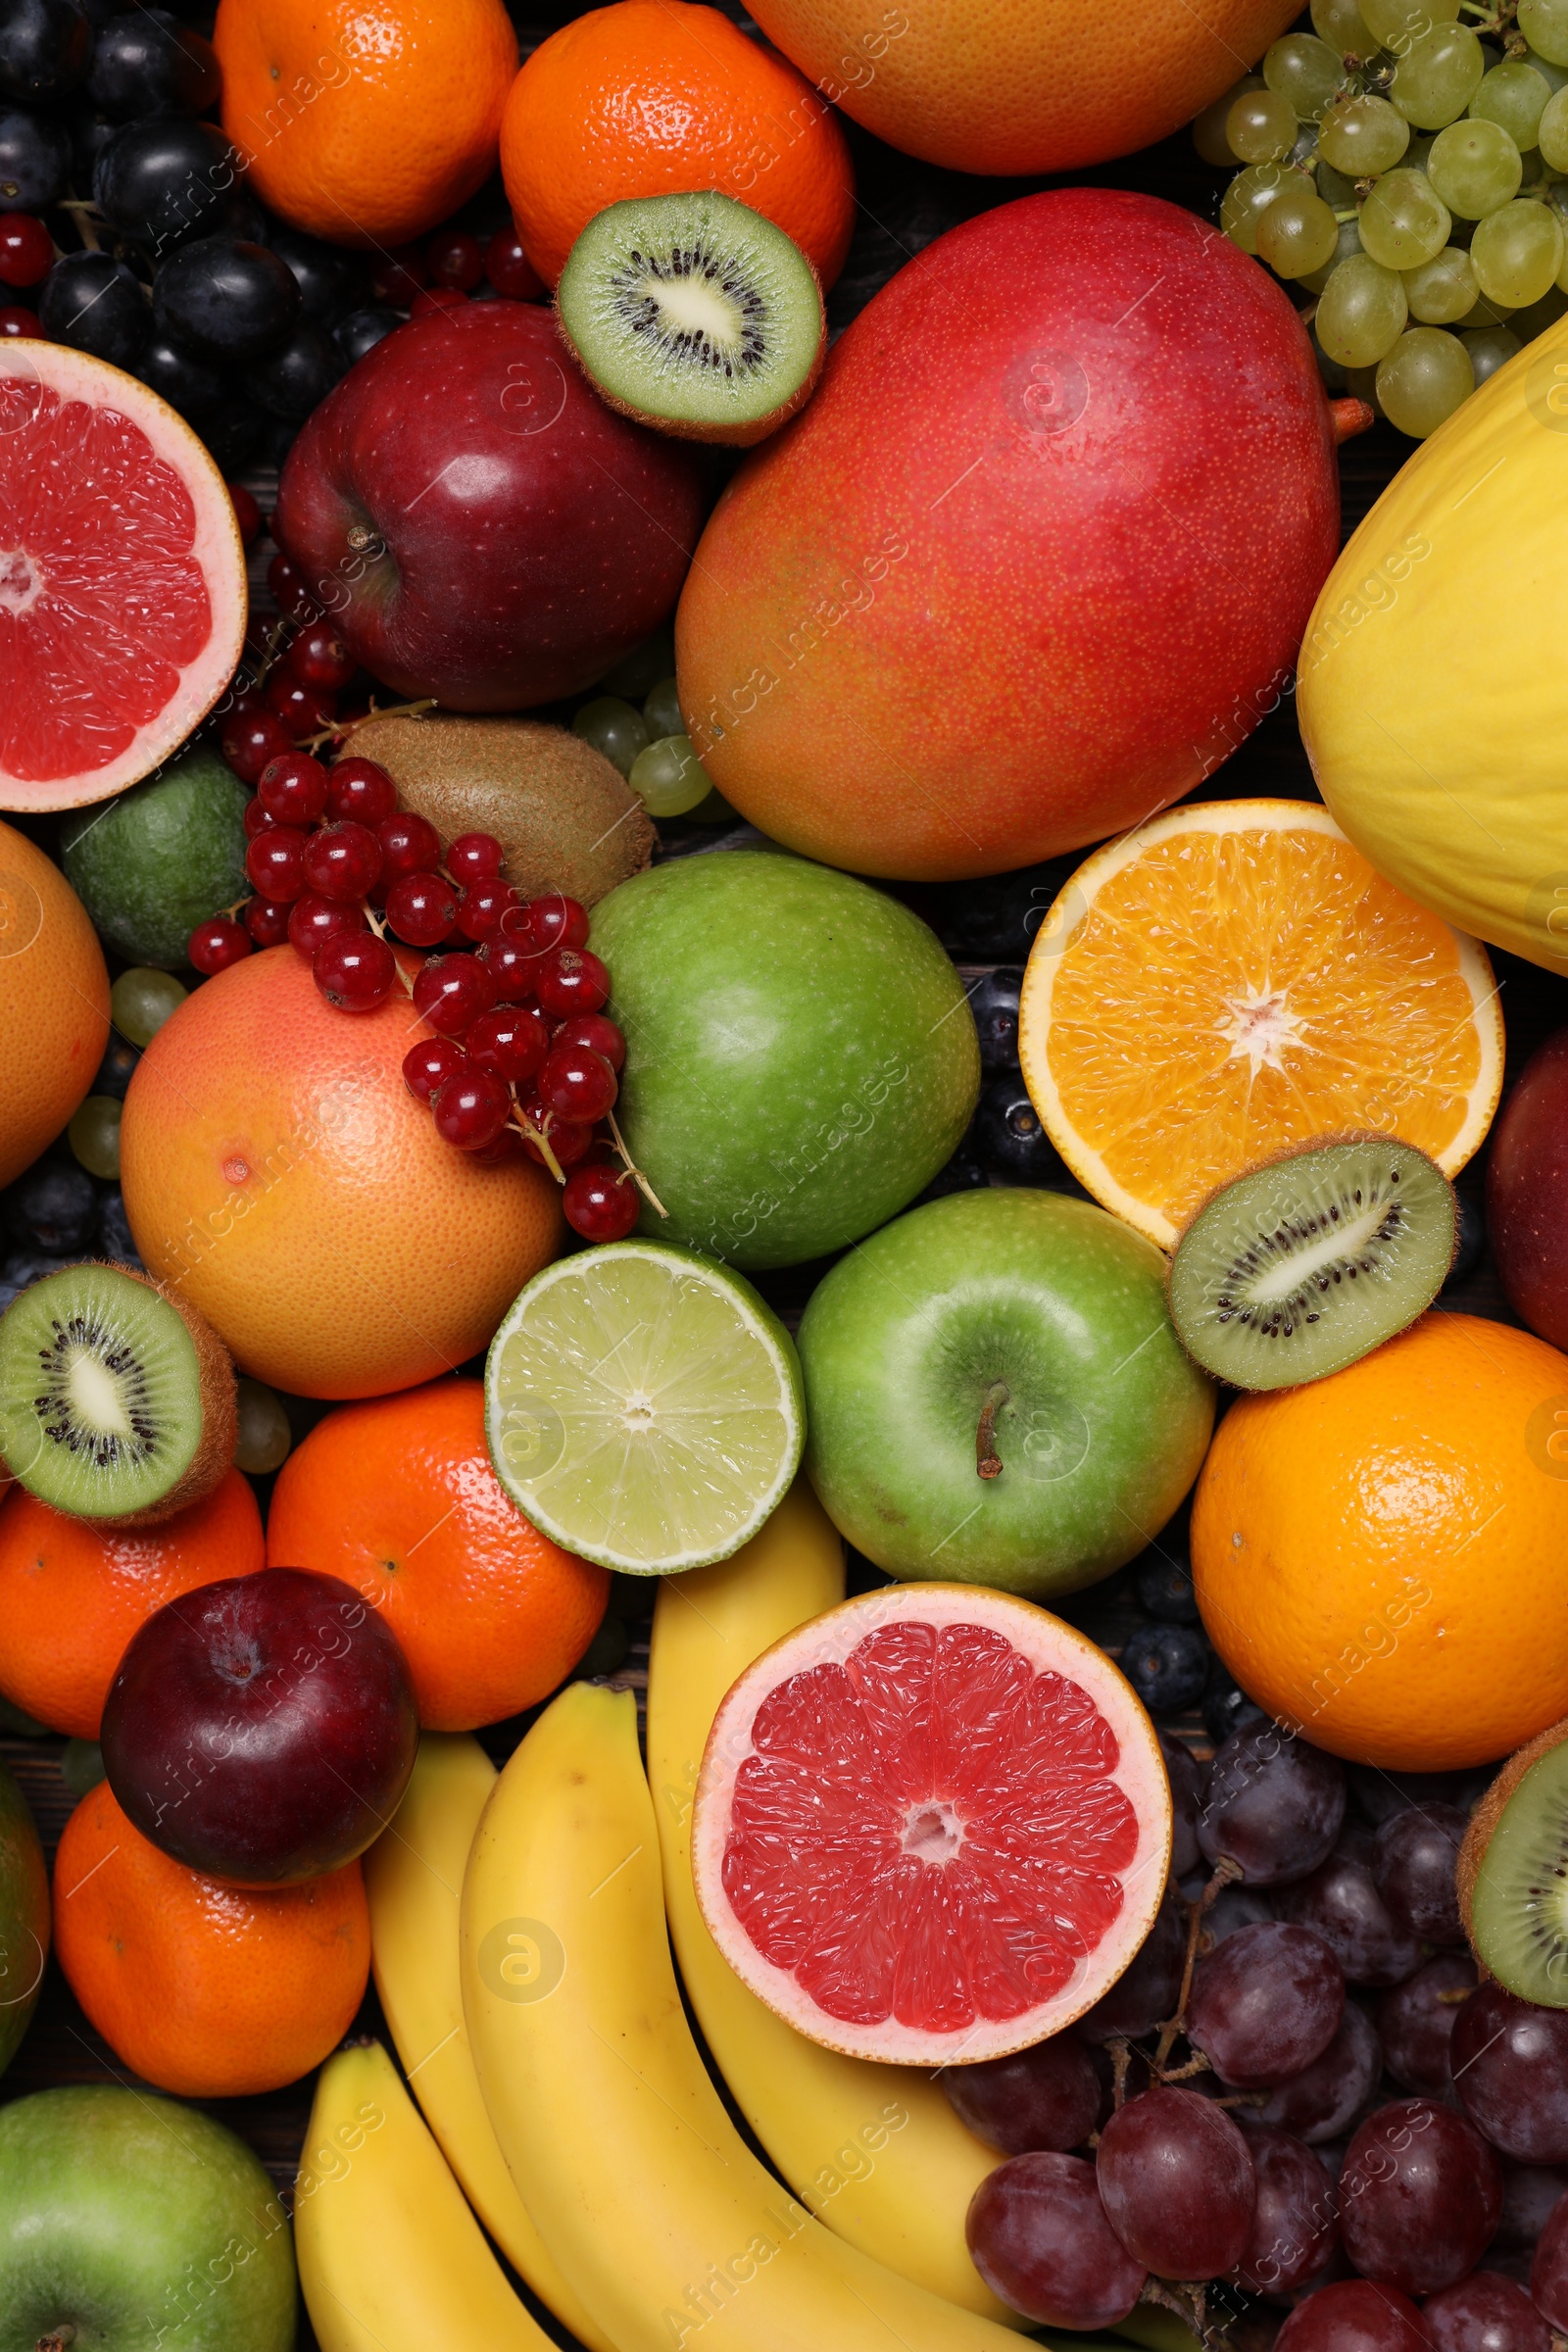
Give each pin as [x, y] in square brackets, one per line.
[1378, 1555]
[278, 1172]
[366, 124]
[73, 1592]
[54, 1002]
[1018, 86]
[658, 97]
[208, 1991]
[399, 1499]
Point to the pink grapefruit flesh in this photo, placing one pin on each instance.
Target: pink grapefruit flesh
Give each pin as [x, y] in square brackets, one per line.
[122, 598]
[932, 1825]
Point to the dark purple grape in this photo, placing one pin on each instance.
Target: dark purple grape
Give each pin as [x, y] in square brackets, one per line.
[1418, 1856]
[35, 160]
[45, 48]
[1355, 2314]
[191, 385]
[1039, 2237]
[147, 63]
[1415, 2023]
[329, 279]
[1549, 2272]
[227, 299]
[95, 304]
[1324, 2098]
[1227, 1707]
[1485, 2314]
[1341, 1902]
[1265, 2004]
[1510, 2067]
[1381, 1794]
[1186, 1776]
[1419, 2196]
[1047, 2097]
[1530, 2194]
[361, 330]
[1295, 2221]
[1148, 1989]
[1176, 2182]
[1232, 1908]
[1272, 1804]
[165, 178]
[298, 376]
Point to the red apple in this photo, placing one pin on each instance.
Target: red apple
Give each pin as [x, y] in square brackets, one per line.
[261, 1729]
[1527, 1192]
[480, 527]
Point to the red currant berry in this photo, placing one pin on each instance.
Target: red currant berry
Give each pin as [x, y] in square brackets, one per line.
[361, 789]
[16, 320]
[397, 276]
[313, 920]
[303, 709]
[256, 819]
[471, 1110]
[510, 965]
[600, 1204]
[291, 589]
[343, 860]
[421, 908]
[275, 862]
[250, 740]
[293, 789]
[266, 921]
[319, 656]
[578, 1085]
[455, 259]
[509, 269]
[435, 298]
[569, 1143]
[571, 980]
[507, 1145]
[597, 1035]
[428, 1065]
[451, 991]
[27, 250]
[410, 844]
[215, 944]
[474, 858]
[512, 1043]
[554, 923]
[355, 971]
[247, 514]
[483, 904]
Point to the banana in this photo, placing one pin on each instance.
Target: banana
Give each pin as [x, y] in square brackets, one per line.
[875, 2151]
[641, 2186]
[413, 1879]
[391, 2259]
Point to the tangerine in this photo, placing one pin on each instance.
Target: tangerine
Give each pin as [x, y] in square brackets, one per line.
[1378, 1555]
[367, 126]
[659, 97]
[73, 1592]
[399, 1499]
[54, 1002]
[278, 1174]
[208, 1991]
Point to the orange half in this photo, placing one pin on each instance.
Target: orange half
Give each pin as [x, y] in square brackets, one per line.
[1232, 980]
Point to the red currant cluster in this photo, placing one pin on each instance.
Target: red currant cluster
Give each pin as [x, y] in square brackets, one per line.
[522, 1056]
[447, 268]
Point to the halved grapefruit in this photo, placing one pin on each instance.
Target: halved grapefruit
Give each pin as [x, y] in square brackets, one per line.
[931, 1825]
[122, 578]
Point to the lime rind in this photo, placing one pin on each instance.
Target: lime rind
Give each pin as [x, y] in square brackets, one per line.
[1519, 1903]
[644, 1407]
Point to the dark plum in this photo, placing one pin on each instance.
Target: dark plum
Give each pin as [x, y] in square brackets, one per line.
[1039, 2237]
[165, 179]
[192, 385]
[35, 160]
[1325, 2098]
[53, 1207]
[1186, 1776]
[1148, 1989]
[1265, 2004]
[1419, 2196]
[1177, 2185]
[1416, 2020]
[148, 62]
[299, 374]
[1341, 1902]
[1510, 2066]
[1168, 1666]
[1485, 2314]
[97, 304]
[44, 49]
[228, 299]
[1295, 2220]
[1008, 1137]
[1355, 2314]
[361, 330]
[993, 1002]
[1273, 1805]
[1047, 2097]
[1415, 1863]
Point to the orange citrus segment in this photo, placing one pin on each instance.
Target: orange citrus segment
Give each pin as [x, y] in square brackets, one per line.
[1234, 979]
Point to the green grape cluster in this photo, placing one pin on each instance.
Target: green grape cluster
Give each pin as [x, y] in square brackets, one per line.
[1409, 173]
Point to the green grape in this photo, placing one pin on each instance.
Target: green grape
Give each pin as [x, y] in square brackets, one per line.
[1304, 73]
[264, 1436]
[1545, 25]
[1491, 348]
[1262, 127]
[1553, 132]
[1349, 241]
[1442, 290]
[1363, 136]
[1341, 23]
[1404, 221]
[1475, 168]
[141, 1001]
[1482, 312]
[1392, 23]
[661, 711]
[1514, 95]
[1556, 78]
[1423, 379]
[1337, 192]
[1517, 252]
[1296, 233]
[1360, 312]
[669, 778]
[612, 727]
[1208, 128]
[95, 1134]
[1438, 76]
[1248, 195]
[1415, 155]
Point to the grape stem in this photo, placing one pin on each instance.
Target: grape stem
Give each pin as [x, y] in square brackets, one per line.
[1191, 2306]
[1120, 2060]
[1225, 1872]
[633, 1171]
[344, 734]
[85, 218]
[538, 1135]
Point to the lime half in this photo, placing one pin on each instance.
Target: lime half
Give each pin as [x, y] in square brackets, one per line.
[643, 1406]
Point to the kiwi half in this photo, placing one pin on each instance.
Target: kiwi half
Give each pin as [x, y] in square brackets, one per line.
[1513, 1873]
[694, 314]
[1309, 1262]
[117, 1399]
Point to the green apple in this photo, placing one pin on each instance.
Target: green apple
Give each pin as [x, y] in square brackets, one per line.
[128, 2221]
[995, 1393]
[801, 1058]
[23, 1917]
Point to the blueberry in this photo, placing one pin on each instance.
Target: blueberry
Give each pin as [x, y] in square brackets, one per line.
[963, 1174]
[1167, 1665]
[234, 436]
[1164, 1589]
[53, 1208]
[298, 376]
[34, 161]
[115, 1238]
[228, 300]
[1008, 1137]
[89, 135]
[166, 180]
[330, 280]
[23, 1266]
[995, 920]
[1227, 1707]
[115, 1070]
[993, 1002]
[45, 48]
[1472, 1240]
[147, 63]
[193, 386]
[361, 330]
[95, 304]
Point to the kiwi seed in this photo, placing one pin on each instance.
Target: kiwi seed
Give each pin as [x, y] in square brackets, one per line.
[1513, 1873]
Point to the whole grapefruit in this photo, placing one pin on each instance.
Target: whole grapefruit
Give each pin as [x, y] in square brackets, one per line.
[277, 1171]
[1022, 86]
[54, 1002]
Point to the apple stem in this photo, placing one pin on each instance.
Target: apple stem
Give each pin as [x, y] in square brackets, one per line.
[634, 1172]
[58, 2337]
[987, 1460]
